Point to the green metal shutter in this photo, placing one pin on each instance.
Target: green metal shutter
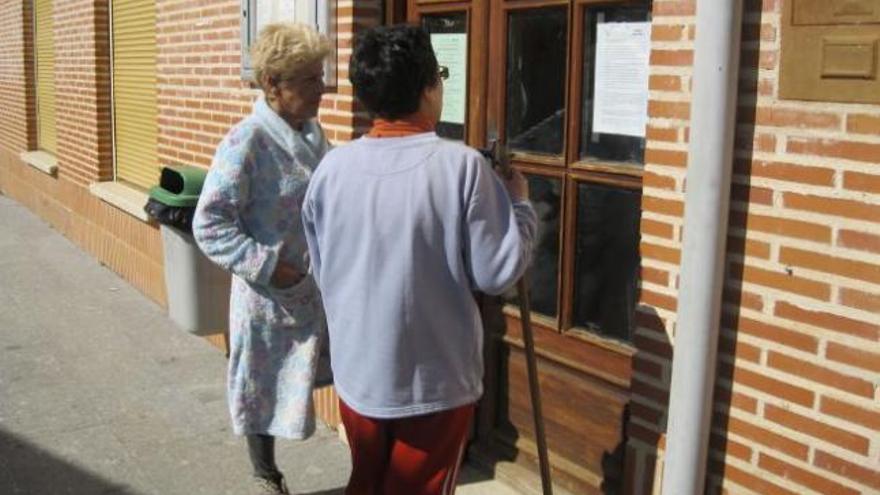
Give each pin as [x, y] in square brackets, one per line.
[135, 105]
[45, 51]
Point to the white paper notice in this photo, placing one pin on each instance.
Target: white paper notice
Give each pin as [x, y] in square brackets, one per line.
[451, 51]
[269, 11]
[620, 103]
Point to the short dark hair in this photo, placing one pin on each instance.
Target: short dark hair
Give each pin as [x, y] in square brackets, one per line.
[390, 68]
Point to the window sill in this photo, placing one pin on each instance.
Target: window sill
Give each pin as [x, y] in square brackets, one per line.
[124, 197]
[41, 160]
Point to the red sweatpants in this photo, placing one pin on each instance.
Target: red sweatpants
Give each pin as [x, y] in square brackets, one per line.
[418, 455]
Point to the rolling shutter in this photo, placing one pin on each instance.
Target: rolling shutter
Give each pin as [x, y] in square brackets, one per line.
[135, 106]
[45, 51]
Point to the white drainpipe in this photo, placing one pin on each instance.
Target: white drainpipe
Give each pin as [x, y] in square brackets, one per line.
[713, 121]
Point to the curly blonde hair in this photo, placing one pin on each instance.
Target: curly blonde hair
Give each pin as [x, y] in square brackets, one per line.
[284, 48]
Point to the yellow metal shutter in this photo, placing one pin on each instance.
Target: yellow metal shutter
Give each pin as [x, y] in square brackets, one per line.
[135, 104]
[45, 49]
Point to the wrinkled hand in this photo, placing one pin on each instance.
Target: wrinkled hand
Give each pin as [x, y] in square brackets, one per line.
[516, 184]
[285, 276]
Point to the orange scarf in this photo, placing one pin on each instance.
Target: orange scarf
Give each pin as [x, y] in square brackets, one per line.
[414, 124]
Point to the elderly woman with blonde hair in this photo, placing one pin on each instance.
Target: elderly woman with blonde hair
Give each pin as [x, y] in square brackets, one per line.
[248, 222]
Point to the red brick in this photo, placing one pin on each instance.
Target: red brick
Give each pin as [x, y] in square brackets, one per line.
[866, 301]
[859, 473]
[848, 150]
[829, 321]
[816, 429]
[781, 117]
[851, 356]
[851, 413]
[652, 298]
[670, 207]
[772, 386]
[846, 208]
[666, 157]
[758, 484]
[666, 134]
[857, 181]
[820, 374]
[782, 281]
[773, 333]
[659, 109]
[669, 32]
[751, 247]
[728, 346]
[652, 179]
[672, 57]
[674, 8]
[664, 83]
[803, 477]
[725, 398]
[768, 438]
[725, 446]
[790, 172]
[747, 139]
[655, 276]
[751, 194]
[741, 298]
[797, 229]
[661, 253]
[656, 228]
[812, 260]
[861, 241]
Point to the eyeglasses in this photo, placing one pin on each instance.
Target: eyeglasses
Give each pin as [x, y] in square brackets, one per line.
[443, 72]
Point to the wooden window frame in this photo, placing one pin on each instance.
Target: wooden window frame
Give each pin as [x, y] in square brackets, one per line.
[568, 166]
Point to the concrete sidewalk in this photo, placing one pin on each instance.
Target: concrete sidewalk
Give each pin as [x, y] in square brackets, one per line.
[101, 394]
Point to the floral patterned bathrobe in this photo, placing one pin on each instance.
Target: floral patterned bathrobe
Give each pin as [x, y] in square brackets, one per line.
[247, 219]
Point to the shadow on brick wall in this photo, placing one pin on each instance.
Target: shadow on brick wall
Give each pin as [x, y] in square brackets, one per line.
[742, 196]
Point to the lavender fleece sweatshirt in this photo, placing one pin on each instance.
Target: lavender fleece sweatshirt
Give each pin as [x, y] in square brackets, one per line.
[400, 232]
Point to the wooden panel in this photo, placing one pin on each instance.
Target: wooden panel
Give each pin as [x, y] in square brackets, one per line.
[135, 106]
[45, 50]
[830, 51]
[583, 419]
[835, 12]
[605, 363]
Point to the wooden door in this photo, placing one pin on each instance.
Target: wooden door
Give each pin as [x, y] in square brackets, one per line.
[546, 77]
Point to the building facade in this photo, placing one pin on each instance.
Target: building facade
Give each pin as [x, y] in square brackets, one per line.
[97, 95]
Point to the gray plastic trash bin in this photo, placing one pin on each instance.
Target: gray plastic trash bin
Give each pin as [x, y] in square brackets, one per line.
[198, 290]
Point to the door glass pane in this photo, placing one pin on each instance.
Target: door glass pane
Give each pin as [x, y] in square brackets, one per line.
[606, 259]
[614, 109]
[536, 58]
[546, 196]
[449, 39]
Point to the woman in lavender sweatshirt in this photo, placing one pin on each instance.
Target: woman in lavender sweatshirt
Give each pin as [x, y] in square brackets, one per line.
[402, 227]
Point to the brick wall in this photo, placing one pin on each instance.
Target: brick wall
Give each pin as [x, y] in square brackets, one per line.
[17, 90]
[796, 401]
[82, 85]
[201, 93]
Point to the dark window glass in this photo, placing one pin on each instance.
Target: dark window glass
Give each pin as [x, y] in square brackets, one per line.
[609, 146]
[606, 259]
[536, 58]
[546, 196]
[449, 24]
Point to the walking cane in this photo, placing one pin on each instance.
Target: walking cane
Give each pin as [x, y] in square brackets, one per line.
[500, 158]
